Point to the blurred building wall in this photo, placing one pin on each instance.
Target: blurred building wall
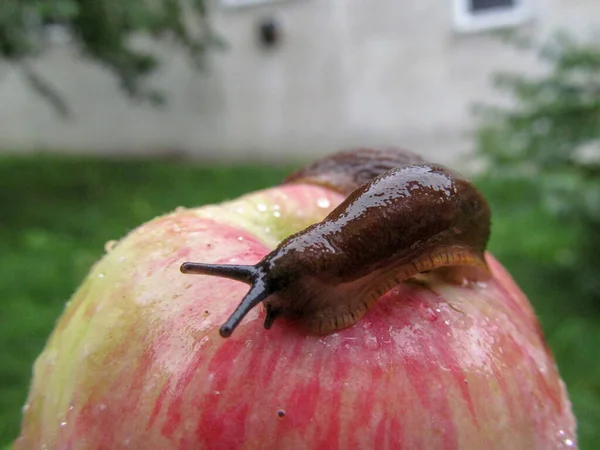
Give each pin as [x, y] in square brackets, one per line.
[346, 73]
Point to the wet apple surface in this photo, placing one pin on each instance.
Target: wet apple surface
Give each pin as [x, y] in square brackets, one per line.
[136, 360]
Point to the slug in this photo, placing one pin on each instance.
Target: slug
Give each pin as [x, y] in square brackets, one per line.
[402, 216]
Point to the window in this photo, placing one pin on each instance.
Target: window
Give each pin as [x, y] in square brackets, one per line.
[477, 15]
[483, 5]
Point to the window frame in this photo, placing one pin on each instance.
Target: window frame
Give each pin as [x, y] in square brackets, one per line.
[466, 21]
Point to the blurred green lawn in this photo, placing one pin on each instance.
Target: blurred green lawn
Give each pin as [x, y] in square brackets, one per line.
[58, 212]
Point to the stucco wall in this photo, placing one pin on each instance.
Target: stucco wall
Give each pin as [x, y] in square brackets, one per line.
[348, 72]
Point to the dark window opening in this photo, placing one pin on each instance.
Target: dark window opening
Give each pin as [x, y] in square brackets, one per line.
[476, 6]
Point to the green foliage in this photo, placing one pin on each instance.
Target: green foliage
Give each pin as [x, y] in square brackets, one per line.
[551, 134]
[103, 31]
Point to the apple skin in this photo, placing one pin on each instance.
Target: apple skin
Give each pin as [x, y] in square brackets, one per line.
[136, 360]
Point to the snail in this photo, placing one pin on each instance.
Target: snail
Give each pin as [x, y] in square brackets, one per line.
[402, 216]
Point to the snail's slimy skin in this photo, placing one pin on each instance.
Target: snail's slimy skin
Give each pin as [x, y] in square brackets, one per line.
[403, 216]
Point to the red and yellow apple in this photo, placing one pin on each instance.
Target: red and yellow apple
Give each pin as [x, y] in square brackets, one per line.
[136, 360]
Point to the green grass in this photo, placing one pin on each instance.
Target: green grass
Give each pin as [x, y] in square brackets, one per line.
[57, 213]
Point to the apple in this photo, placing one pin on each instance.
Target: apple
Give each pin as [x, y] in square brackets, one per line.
[136, 360]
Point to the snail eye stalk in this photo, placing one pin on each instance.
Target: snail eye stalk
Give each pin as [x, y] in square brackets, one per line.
[245, 273]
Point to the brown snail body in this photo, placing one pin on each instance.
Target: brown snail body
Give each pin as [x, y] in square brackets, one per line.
[403, 216]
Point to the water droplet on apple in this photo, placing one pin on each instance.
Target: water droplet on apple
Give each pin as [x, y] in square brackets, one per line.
[261, 207]
[63, 424]
[371, 343]
[25, 408]
[565, 440]
[110, 245]
[217, 392]
[240, 238]
[281, 413]
[276, 214]
[267, 230]
[100, 275]
[101, 406]
[323, 203]
[428, 313]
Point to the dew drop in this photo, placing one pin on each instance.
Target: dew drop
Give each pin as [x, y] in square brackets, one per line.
[566, 441]
[110, 245]
[122, 258]
[371, 343]
[100, 275]
[101, 406]
[240, 238]
[428, 314]
[267, 230]
[323, 203]
[217, 392]
[261, 207]
[276, 214]
[63, 424]
[25, 408]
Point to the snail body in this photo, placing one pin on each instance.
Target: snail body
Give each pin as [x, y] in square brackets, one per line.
[402, 216]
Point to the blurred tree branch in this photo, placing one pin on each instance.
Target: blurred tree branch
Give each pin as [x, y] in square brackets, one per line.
[102, 30]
